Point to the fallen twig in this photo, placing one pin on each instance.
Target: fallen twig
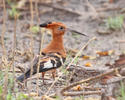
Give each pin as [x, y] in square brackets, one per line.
[93, 38]
[82, 93]
[100, 70]
[115, 80]
[11, 71]
[80, 51]
[93, 91]
[60, 8]
[111, 71]
[108, 9]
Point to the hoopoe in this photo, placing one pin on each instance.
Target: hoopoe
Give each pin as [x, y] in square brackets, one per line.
[54, 54]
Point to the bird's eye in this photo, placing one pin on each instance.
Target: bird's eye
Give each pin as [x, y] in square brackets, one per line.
[60, 28]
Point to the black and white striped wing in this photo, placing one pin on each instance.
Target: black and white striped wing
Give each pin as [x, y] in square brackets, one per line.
[51, 61]
[48, 62]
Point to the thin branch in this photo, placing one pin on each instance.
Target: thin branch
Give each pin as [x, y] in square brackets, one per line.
[31, 36]
[4, 52]
[37, 12]
[41, 44]
[70, 64]
[82, 93]
[14, 50]
[111, 71]
[31, 25]
[80, 51]
[3, 28]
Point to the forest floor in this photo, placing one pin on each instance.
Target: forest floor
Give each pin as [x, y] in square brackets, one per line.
[95, 18]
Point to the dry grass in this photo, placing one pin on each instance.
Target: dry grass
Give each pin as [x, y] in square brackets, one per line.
[9, 83]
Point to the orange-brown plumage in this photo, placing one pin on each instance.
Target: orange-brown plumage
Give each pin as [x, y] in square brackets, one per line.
[56, 45]
[54, 53]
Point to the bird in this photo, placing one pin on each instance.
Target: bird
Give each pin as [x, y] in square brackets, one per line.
[53, 55]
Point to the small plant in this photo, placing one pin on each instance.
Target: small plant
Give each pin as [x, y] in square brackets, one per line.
[10, 85]
[122, 92]
[34, 29]
[13, 12]
[115, 23]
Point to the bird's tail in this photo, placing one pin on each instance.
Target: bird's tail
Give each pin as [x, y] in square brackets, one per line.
[27, 74]
[24, 76]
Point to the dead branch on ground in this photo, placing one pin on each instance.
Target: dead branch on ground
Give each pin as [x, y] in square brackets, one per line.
[111, 71]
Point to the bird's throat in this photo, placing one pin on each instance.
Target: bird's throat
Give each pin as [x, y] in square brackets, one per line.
[57, 42]
[56, 45]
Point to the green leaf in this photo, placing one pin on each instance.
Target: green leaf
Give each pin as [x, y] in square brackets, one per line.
[115, 23]
[35, 29]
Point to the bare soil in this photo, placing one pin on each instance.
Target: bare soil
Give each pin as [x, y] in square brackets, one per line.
[77, 15]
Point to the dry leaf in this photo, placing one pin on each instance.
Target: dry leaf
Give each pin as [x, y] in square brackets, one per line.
[120, 61]
[122, 72]
[106, 78]
[88, 64]
[78, 88]
[85, 57]
[32, 94]
[105, 53]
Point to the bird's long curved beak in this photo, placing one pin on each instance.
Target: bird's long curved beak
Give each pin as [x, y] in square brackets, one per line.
[46, 25]
[74, 31]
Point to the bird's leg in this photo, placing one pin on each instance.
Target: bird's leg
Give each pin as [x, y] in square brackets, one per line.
[54, 73]
[43, 73]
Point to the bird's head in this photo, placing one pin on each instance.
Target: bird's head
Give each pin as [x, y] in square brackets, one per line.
[57, 28]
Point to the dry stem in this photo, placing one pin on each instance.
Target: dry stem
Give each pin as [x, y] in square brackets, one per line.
[111, 71]
[14, 49]
[80, 51]
[70, 63]
[31, 36]
[31, 25]
[4, 51]
[4, 28]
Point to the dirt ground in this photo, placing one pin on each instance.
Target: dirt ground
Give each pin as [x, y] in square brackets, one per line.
[80, 15]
